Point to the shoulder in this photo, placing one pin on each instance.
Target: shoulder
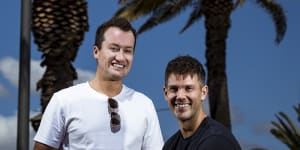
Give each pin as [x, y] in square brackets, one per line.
[218, 136]
[214, 126]
[135, 95]
[137, 102]
[72, 93]
[73, 90]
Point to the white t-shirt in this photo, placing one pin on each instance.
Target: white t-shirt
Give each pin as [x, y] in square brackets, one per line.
[77, 118]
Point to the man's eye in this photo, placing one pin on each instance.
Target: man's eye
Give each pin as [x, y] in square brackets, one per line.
[114, 48]
[189, 88]
[128, 51]
[172, 89]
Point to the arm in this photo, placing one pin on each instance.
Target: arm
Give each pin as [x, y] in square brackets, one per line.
[51, 130]
[41, 146]
[153, 136]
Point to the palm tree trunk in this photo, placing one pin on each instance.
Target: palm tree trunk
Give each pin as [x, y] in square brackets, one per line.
[59, 74]
[217, 23]
[58, 29]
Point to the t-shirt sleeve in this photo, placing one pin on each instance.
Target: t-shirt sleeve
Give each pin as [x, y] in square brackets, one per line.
[51, 129]
[153, 137]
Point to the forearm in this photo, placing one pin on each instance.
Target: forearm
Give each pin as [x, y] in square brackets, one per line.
[41, 146]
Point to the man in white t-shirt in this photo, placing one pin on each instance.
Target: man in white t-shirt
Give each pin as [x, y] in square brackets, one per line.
[103, 113]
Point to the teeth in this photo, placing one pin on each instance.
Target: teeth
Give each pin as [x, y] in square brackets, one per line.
[182, 105]
[119, 65]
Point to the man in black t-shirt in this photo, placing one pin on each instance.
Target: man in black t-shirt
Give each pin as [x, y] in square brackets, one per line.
[185, 91]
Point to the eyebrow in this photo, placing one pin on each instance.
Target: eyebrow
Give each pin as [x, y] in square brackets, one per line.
[114, 44]
[172, 86]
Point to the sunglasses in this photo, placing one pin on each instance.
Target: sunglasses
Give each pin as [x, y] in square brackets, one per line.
[115, 119]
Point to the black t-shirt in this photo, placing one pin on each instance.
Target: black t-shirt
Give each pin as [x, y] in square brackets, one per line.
[210, 135]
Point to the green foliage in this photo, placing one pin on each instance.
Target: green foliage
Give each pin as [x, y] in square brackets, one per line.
[286, 130]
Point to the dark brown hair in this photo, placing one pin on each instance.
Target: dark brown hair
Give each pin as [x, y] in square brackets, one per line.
[185, 65]
[118, 22]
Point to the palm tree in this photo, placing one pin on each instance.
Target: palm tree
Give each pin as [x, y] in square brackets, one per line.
[58, 27]
[286, 131]
[217, 23]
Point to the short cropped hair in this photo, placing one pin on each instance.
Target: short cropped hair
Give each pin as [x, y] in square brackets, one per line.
[118, 22]
[185, 65]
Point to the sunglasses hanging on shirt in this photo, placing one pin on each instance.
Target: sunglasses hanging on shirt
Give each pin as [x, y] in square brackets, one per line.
[115, 119]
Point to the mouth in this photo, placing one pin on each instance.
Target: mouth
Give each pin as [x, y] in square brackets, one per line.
[179, 104]
[118, 66]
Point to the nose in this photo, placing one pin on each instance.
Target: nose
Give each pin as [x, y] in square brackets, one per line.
[180, 94]
[120, 56]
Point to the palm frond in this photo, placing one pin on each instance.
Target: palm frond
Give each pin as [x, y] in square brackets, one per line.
[286, 131]
[278, 16]
[281, 134]
[133, 9]
[295, 130]
[164, 12]
[194, 16]
[124, 1]
[297, 109]
[283, 131]
[239, 3]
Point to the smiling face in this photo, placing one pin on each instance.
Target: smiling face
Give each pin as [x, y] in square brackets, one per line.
[116, 54]
[185, 95]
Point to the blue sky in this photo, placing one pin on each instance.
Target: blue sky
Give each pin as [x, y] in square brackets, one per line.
[263, 78]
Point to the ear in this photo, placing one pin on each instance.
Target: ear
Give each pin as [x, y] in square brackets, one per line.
[204, 92]
[165, 92]
[95, 51]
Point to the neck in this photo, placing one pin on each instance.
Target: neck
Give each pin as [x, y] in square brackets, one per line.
[189, 127]
[109, 88]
